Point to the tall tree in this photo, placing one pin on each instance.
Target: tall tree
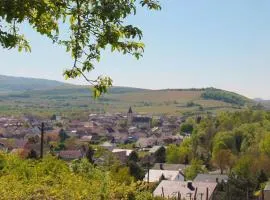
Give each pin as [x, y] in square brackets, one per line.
[223, 159]
[62, 135]
[194, 169]
[133, 156]
[84, 27]
[90, 154]
[135, 170]
[160, 155]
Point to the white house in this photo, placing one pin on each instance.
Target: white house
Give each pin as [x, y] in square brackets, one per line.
[156, 174]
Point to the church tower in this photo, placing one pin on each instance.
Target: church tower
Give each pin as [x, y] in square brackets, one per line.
[129, 116]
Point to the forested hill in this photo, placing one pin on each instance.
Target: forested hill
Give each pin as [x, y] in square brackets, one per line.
[20, 84]
[225, 96]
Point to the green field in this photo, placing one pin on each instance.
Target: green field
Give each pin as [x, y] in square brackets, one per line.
[78, 101]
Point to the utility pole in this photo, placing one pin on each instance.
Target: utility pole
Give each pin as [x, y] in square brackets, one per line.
[41, 140]
[148, 170]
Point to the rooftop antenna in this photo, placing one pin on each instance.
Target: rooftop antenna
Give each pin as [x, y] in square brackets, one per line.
[41, 139]
[148, 170]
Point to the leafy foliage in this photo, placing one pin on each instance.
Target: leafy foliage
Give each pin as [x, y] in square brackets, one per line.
[160, 155]
[54, 179]
[186, 128]
[221, 95]
[179, 154]
[236, 143]
[194, 169]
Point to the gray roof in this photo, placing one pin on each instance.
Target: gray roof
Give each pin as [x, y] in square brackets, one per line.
[211, 178]
[154, 149]
[70, 154]
[171, 188]
[166, 166]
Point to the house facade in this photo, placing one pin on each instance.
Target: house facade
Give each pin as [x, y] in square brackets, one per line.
[142, 122]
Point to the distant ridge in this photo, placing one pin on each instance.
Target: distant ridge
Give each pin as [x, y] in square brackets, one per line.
[21, 84]
[23, 95]
[29, 86]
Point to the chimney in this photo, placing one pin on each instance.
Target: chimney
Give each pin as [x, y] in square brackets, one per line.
[161, 166]
[217, 180]
[190, 186]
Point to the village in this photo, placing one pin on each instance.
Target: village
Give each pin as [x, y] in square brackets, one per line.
[142, 139]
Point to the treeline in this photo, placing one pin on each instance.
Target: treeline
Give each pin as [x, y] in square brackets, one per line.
[225, 96]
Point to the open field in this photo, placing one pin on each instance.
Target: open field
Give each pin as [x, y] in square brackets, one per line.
[20, 96]
[78, 101]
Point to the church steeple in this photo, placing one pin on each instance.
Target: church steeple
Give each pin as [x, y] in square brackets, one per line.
[129, 116]
[130, 110]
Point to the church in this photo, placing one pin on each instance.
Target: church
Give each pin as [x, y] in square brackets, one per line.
[142, 122]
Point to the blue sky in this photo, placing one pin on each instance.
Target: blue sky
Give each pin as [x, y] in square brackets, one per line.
[223, 44]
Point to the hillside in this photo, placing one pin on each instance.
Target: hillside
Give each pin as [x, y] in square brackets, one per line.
[263, 102]
[46, 97]
[10, 84]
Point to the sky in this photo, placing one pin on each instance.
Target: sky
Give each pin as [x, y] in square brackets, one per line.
[189, 44]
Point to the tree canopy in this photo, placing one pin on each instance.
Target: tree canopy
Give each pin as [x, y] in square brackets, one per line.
[52, 178]
[83, 27]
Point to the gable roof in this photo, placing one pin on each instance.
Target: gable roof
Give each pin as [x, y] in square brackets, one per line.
[154, 149]
[171, 189]
[211, 178]
[155, 174]
[145, 142]
[167, 166]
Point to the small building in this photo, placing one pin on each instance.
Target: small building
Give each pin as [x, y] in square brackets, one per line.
[146, 142]
[155, 175]
[70, 155]
[86, 138]
[108, 145]
[58, 118]
[185, 190]
[142, 122]
[122, 154]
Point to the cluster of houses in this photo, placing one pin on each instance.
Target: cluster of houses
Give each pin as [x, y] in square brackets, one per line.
[143, 131]
[111, 132]
[172, 182]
